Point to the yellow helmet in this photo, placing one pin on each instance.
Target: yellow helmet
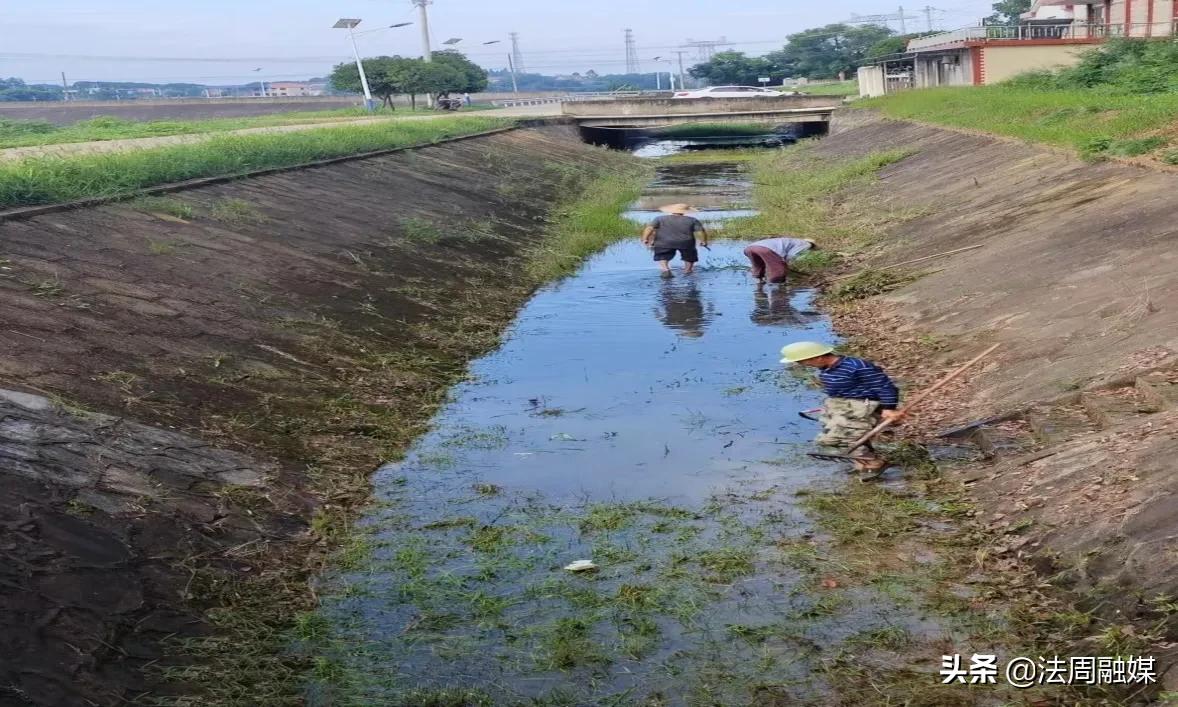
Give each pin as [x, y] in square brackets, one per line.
[803, 350]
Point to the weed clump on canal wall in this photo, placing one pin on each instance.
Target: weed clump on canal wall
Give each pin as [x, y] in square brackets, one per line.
[47, 180]
[585, 225]
[868, 283]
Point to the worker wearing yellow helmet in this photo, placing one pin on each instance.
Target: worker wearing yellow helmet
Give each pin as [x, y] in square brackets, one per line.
[860, 395]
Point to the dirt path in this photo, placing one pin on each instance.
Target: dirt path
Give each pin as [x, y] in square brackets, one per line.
[105, 146]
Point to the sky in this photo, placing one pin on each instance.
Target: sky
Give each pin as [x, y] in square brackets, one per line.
[224, 41]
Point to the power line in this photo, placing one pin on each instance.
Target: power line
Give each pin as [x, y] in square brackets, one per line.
[707, 48]
[876, 19]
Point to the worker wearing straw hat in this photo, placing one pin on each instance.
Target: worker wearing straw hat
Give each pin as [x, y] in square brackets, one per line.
[675, 231]
[770, 258]
[861, 394]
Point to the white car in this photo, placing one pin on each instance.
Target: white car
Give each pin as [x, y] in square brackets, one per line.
[729, 92]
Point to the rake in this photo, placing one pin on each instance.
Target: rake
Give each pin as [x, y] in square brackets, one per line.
[916, 400]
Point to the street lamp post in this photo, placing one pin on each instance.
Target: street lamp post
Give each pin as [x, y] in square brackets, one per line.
[423, 13]
[261, 83]
[350, 25]
[658, 78]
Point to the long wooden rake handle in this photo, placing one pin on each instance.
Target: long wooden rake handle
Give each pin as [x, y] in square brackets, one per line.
[921, 396]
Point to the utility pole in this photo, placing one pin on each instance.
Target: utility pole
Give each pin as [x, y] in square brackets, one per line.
[511, 65]
[928, 14]
[707, 48]
[516, 55]
[631, 53]
[65, 88]
[882, 19]
[682, 73]
[423, 20]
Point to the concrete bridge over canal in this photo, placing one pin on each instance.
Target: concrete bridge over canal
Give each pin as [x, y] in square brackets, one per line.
[657, 112]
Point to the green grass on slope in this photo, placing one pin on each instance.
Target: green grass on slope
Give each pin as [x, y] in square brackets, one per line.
[29, 133]
[1094, 123]
[48, 180]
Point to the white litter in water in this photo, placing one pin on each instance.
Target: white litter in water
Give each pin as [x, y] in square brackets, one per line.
[581, 566]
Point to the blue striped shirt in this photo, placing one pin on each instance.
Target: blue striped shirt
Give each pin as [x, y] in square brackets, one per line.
[859, 380]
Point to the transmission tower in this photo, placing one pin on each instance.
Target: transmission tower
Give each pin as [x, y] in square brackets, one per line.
[517, 57]
[707, 48]
[631, 54]
[900, 16]
[928, 14]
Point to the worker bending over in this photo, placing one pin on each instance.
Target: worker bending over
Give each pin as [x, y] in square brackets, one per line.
[861, 394]
[770, 257]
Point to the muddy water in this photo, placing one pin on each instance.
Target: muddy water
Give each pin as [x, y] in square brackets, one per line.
[641, 423]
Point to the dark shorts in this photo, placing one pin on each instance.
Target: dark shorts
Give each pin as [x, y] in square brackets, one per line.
[689, 255]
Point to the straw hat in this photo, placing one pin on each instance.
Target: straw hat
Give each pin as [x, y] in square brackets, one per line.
[677, 209]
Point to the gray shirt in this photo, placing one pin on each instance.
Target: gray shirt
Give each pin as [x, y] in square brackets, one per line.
[675, 231]
[787, 248]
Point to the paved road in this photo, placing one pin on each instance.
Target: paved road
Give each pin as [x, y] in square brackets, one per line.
[77, 148]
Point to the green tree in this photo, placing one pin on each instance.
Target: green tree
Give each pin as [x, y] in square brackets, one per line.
[1006, 12]
[891, 45]
[824, 52]
[474, 76]
[385, 77]
[430, 77]
[737, 68]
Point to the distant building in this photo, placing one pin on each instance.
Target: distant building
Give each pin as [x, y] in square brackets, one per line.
[1052, 35]
[294, 88]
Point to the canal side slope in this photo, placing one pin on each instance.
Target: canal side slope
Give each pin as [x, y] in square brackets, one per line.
[197, 385]
[1077, 278]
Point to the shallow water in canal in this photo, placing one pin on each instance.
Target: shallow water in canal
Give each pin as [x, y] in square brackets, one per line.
[644, 424]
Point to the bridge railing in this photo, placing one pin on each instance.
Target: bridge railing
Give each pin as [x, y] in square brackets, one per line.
[574, 97]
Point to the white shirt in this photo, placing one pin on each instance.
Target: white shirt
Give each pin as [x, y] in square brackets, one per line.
[787, 248]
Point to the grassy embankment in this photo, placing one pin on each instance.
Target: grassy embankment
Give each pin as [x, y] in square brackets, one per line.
[247, 659]
[31, 133]
[1120, 101]
[48, 180]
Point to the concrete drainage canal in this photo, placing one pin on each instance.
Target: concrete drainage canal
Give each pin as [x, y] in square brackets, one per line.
[643, 425]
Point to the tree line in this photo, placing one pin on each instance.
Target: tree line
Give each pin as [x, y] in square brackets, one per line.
[827, 52]
[822, 52]
[392, 76]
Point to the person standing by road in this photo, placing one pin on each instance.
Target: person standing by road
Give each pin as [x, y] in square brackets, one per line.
[861, 394]
[675, 231]
[466, 99]
[770, 257]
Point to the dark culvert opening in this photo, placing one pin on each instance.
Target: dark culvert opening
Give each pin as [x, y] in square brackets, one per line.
[704, 136]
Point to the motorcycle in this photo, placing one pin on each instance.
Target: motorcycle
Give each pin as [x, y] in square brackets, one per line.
[450, 104]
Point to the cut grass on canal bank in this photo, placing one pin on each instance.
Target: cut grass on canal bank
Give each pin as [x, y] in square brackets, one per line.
[1096, 124]
[587, 225]
[49, 180]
